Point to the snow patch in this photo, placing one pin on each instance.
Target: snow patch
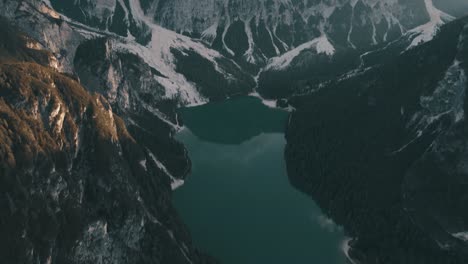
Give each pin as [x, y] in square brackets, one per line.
[324, 46]
[321, 45]
[351, 25]
[143, 164]
[209, 35]
[285, 46]
[346, 248]
[461, 235]
[249, 53]
[426, 32]
[266, 102]
[226, 27]
[175, 182]
[124, 6]
[277, 51]
[158, 54]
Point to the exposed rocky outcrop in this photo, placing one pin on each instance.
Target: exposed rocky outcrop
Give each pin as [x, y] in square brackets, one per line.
[254, 31]
[311, 65]
[143, 83]
[76, 186]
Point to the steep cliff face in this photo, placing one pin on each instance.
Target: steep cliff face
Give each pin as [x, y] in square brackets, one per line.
[262, 29]
[143, 83]
[116, 16]
[104, 190]
[257, 30]
[275, 33]
[382, 151]
[76, 187]
[63, 35]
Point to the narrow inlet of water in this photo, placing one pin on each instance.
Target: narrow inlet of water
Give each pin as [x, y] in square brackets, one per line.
[238, 202]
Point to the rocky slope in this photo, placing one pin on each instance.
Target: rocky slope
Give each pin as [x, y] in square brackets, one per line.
[258, 30]
[143, 83]
[110, 196]
[382, 151]
[76, 187]
[308, 66]
[162, 52]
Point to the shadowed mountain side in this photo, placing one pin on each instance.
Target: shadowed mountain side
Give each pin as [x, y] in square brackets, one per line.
[378, 152]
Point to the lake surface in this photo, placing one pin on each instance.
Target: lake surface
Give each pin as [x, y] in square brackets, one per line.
[238, 202]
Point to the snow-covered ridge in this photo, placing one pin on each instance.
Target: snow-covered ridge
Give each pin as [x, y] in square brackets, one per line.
[323, 45]
[319, 45]
[202, 17]
[342, 21]
[158, 54]
[181, 13]
[161, 54]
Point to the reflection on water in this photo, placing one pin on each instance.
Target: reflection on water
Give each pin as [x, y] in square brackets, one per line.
[233, 121]
[238, 202]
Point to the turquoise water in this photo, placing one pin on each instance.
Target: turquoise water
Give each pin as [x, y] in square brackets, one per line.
[238, 202]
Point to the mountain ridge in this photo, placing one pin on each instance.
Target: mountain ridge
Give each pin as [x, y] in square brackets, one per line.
[390, 133]
[76, 185]
[132, 73]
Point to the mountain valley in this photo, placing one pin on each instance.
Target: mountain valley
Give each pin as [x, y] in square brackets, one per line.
[90, 99]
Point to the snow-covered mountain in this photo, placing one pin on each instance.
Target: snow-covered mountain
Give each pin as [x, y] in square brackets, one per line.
[257, 30]
[144, 83]
[263, 29]
[160, 51]
[309, 65]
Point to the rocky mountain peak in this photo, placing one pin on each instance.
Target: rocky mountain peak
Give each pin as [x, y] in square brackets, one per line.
[257, 30]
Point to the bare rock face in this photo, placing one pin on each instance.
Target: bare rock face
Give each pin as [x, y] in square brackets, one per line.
[76, 187]
[144, 83]
[291, 23]
[313, 64]
[254, 31]
[258, 30]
